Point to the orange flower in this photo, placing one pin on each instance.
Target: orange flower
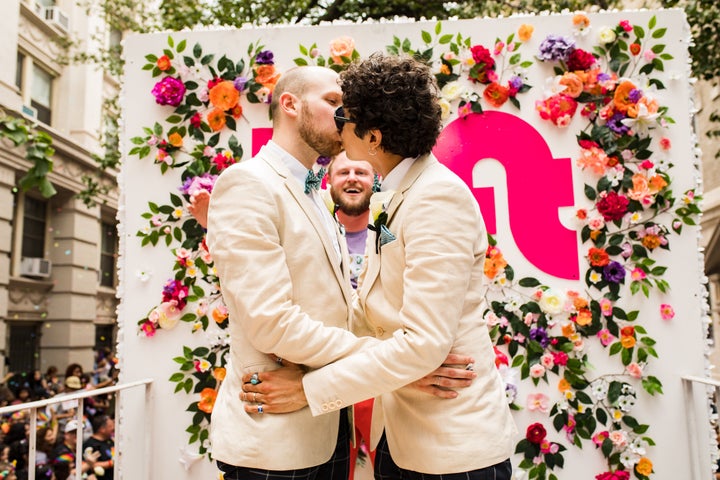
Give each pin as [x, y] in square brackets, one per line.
[494, 262]
[657, 183]
[445, 70]
[627, 342]
[175, 139]
[163, 63]
[224, 95]
[216, 119]
[644, 466]
[581, 21]
[563, 385]
[266, 75]
[584, 317]
[634, 48]
[219, 373]
[237, 111]
[640, 188]
[622, 96]
[595, 234]
[651, 241]
[651, 104]
[219, 314]
[568, 330]
[598, 257]
[207, 400]
[573, 84]
[496, 94]
[525, 32]
[628, 331]
[341, 47]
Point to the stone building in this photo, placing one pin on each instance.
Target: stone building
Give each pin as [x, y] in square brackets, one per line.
[57, 256]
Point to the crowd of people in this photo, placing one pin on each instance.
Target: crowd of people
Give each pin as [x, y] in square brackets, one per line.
[57, 424]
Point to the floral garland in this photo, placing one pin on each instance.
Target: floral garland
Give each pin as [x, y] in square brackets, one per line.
[539, 331]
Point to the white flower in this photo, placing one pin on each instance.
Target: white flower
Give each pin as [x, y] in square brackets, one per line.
[642, 123]
[626, 402]
[444, 109]
[606, 35]
[552, 302]
[599, 389]
[452, 91]
[379, 203]
[629, 458]
[143, 275]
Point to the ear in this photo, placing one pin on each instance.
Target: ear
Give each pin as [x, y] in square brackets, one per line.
[374, 139]
[289, 104]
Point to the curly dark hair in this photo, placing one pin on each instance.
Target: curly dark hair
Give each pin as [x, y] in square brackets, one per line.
[396, 95]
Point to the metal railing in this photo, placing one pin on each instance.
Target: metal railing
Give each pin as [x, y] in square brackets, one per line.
[33, 407]
[692, 421]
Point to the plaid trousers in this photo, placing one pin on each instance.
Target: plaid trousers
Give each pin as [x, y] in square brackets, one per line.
[386, 469]
[337, 468]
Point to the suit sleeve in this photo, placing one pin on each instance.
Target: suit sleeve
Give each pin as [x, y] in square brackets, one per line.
[244, 240]
[440, 231]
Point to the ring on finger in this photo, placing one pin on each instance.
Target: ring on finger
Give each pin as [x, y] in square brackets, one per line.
[254, 397]
[279, 361]
[255, 378]
[260, 408]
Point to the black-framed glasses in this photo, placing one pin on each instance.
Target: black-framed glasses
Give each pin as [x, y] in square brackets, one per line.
[340, 118]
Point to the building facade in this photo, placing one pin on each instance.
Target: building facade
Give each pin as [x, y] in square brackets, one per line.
[57, 256]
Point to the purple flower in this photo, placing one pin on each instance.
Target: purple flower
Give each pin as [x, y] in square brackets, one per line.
[603, 77]
[169, 91]
[540, 335]
[614, 272]
[635, 95]
[510, 392]
[516, 82]
[556, 47]
[191, 185]
[240, 83]
[264, 58]
[615, 124]
[323, 161]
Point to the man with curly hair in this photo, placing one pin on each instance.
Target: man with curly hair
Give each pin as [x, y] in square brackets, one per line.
[421, 291]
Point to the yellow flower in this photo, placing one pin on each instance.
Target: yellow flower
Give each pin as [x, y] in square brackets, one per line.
[327, 200]
[525, 32]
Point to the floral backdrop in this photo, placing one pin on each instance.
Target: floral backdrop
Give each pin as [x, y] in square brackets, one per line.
[601, 84]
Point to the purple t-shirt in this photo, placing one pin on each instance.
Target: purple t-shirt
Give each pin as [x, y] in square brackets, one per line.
[356, 247]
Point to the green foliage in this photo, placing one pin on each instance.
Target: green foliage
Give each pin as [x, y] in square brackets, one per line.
[38, 151]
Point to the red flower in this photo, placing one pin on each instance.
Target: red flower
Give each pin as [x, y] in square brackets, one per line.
[612, 206]
[627, 331]
[536, 433]
[213, 82]
[617, 475]
[496, 95]
[580, 60]
[560, 358]
[634, 48]
[196, 120]
[484, 63]
[500, 358]
[163, 63]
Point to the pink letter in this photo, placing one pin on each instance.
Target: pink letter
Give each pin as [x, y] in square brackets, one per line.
[538, 185]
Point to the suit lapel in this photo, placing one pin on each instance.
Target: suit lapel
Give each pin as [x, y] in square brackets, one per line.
[373, 268]
[308, 207]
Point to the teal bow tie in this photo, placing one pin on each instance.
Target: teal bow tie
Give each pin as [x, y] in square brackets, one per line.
[312, 180]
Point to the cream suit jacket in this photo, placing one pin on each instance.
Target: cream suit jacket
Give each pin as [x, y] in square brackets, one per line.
[287, 294]
[422, 295]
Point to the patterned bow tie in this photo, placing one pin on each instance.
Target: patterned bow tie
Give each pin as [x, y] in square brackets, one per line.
[312, 180]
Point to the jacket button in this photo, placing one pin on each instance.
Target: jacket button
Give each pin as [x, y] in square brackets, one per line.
[339, 403]
[325, 407]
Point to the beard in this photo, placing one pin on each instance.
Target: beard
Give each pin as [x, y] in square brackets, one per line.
[327, 145]
[350, 208]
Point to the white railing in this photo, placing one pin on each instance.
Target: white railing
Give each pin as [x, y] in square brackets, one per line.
[79, 396]
[692, 421]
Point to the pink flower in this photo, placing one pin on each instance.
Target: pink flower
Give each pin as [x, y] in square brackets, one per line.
[605, 337]
[560, 358]
[634, 370]
[637, 274]
[618, 438]
[625, 25]
[647, 164]
[537, 371]
[665, 143]
[606, 306]
[649, 55]
[537, 402]
[148, 328]
[599, 438]
[169, 91]
[547, 360]
[498, 48]
[464, 110]
[666, 311]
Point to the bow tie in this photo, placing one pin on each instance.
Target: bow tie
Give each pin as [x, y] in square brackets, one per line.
[312, 180]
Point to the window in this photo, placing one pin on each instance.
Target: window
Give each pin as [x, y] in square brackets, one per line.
[46, 3]
[108, 254]
[104, 337]
[19, 70]
[41, 94]
[24, 346]
[34, 223]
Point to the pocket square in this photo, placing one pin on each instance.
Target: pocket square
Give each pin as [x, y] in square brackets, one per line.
[386, 235]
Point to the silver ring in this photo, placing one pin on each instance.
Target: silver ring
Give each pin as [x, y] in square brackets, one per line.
[255, 379]
[279, 361]
[260, 409]
[254, 397]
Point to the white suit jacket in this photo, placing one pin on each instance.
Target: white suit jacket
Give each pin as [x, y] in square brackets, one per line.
[422, 295]
[282, 283]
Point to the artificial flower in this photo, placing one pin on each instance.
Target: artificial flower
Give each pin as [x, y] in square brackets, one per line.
[341, 47]
[163, 63]
[525, 32]
[535, 433]
[216, 119]
[496, 95]
[224, 95]
[667, 312]
[169, 91]
[537, 402]
[207, 400]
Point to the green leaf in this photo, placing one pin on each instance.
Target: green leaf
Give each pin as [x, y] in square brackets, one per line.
[639, 31]
[659, 33]
[528, 282]
[426, 37]
[176, 377]
[181, 46]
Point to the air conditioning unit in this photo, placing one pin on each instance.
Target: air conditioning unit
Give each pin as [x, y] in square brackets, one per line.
[29, 111]
[58, 18]
[35, 267]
